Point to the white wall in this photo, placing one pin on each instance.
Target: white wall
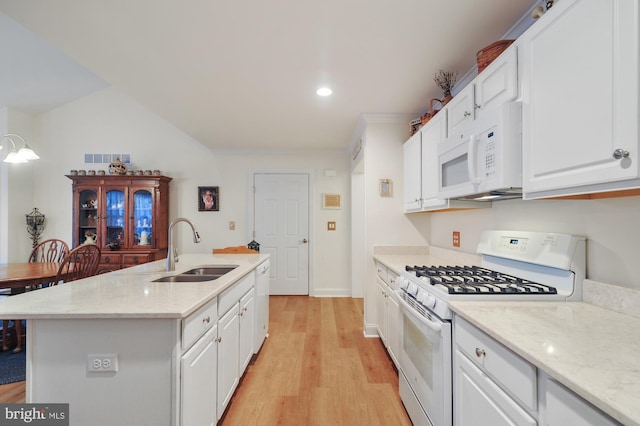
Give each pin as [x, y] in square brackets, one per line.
[610, 225]
[111, 122]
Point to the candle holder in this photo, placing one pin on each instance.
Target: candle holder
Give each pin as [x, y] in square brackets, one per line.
[35, 225]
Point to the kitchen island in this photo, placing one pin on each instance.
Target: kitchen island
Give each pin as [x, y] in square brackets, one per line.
[120, 348]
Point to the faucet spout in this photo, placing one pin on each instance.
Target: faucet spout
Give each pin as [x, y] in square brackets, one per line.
[172, 255]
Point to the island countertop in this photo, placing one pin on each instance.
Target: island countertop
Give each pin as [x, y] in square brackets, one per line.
[131, 292]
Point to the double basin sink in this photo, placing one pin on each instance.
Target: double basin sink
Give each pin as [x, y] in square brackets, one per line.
[199, 274]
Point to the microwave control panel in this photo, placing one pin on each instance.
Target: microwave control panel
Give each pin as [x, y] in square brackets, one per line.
[488, 143]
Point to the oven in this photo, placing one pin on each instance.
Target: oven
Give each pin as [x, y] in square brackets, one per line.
[515, 265]
[425, 365]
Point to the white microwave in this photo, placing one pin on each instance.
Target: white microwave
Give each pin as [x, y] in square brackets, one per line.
[483, 162]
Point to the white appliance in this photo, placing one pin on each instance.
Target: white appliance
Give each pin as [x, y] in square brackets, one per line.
[515, 265]
[483, 162]
[262, 304]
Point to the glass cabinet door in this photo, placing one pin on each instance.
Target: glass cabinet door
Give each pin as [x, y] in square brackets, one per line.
[114, 215]
[143, 218]
[88, 219]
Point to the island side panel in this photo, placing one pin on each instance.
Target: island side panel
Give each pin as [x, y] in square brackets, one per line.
[140, 392]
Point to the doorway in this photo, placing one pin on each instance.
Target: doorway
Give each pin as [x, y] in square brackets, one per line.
[281, 226]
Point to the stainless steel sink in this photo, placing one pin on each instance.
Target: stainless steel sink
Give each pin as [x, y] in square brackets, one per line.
[183, 278]
[199, 274]
[211, 270]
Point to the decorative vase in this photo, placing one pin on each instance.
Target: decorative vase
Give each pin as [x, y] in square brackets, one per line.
[117, 167]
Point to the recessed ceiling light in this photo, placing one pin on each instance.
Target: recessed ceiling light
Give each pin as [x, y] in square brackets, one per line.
[324, 91]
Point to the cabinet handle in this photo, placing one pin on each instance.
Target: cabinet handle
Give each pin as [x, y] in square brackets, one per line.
[206, 320]
[619, 154]
[476, 106]
[480, 352]
[219, 339]
[135, 259]
[107, 259]
[467, 114]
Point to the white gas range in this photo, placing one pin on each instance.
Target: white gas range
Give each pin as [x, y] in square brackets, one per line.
[515, 265]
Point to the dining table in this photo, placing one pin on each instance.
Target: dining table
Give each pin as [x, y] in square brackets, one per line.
[18, 277]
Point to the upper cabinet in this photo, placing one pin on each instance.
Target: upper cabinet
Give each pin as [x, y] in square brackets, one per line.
[412, 170]
[580, 99]
[126, 216]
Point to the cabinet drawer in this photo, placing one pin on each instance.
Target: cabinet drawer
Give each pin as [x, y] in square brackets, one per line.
[513, 373]
[136, 259]
[111, 259]
[196, 324]
[382, 272]
[232, 295]
[392, 279]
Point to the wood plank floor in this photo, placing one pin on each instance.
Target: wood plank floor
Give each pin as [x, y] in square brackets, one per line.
[316, 368]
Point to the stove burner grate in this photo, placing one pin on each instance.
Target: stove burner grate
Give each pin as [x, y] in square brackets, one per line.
[477, 280]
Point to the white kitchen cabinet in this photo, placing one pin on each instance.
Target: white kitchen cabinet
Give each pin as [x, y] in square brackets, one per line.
[412, 169]
[580, 99]
[388, 312]
[228, 356]
[247, 325]
[560, 407]
[492, 385]
[198, 381]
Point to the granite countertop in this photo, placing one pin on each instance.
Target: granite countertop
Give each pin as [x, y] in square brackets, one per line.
[591, 350]
[130, 292]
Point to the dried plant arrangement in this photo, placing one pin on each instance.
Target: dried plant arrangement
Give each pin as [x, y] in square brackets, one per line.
[445, 81]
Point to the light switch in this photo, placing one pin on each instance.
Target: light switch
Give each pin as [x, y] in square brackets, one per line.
[331, 226]
[232, 225]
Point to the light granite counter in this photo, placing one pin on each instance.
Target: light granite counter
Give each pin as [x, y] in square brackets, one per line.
[591, 350]
[131, 292]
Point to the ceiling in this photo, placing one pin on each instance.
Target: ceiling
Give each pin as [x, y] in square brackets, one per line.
[243, 74]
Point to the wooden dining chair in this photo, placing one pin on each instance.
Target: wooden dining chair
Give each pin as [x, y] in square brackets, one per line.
[81, 262]
[51, 250]
[47, 251]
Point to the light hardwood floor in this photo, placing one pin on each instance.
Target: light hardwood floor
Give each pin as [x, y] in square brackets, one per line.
[316, 368]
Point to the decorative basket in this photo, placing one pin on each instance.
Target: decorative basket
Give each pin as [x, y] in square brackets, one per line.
[487, 54]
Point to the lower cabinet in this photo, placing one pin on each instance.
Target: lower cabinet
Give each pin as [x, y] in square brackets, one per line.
[247, 326]
[198, 381]
[388, 312]
[228, 356]
[494, 386]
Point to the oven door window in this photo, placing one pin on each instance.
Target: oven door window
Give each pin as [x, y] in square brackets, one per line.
[419, 349]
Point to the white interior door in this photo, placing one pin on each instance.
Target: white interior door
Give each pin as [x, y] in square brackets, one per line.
[281, 203]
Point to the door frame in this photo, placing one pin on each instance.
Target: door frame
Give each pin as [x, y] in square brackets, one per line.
[311, 237]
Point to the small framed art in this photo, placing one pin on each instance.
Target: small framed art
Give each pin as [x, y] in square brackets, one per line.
[331, 201]
[208, 199]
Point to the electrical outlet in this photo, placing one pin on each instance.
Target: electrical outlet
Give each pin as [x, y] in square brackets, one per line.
[456, 238]
[331, 226]
[102, 363]
[232, 225]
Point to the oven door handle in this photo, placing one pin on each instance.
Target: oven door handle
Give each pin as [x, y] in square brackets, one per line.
[434, 325]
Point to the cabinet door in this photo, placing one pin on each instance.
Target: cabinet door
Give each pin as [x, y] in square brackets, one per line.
[141, 206]
[580, 98]
[198, 382]
[412, 173]
[461, 111]
[433, 133]
[498, 83]
[381, 310]
[86, 205]
[114, 217]
[247, 324]
[394, 329]
[228, 356]
[479, 401]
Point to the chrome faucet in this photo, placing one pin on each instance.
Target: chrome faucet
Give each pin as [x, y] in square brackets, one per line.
[172, 256]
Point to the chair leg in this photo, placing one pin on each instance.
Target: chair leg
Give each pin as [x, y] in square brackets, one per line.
[5, 325]
[18, 327]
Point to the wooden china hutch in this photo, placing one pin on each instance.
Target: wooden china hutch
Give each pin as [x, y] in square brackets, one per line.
[126, 216]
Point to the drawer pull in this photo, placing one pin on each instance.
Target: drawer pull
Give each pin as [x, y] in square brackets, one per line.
[107, 259]
[135, 259]
[480, 352]
[206, 320]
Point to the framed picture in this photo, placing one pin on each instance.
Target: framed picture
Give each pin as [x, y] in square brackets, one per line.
[386, 188]
[331, 201]
[208, 199]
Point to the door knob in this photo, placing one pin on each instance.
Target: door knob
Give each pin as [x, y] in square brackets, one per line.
[304, 241]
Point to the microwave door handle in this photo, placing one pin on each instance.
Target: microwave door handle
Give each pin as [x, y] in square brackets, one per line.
[471, 160]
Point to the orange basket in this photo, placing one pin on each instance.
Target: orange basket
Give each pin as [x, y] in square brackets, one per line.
[487, 54]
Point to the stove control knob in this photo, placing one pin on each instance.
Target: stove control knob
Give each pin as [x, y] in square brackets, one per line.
[430, 302]
[421, 297]
[402, 282]
[412, 289]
